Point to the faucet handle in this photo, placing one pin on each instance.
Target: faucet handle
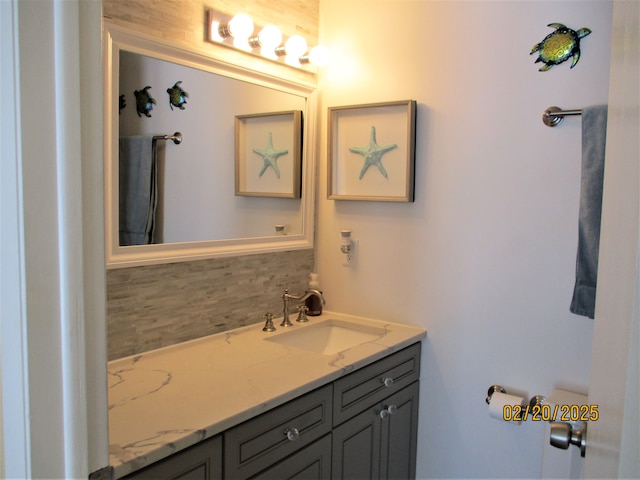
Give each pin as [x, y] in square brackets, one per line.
[268, 325]
[302, 313]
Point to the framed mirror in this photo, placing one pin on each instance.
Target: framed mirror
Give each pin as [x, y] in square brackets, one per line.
[197, 212]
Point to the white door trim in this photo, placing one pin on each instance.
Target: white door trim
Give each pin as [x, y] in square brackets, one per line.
[53, 310]
[15, 455]
[612, 441]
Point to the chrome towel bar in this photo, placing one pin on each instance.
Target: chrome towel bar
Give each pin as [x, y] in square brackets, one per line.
[176, 137]
[552, 116]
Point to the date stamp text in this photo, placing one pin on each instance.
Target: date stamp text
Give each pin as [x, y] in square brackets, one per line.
[550, 413]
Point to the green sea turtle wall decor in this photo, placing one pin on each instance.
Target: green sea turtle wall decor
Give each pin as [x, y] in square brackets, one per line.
[177, 96]
[560, 45]
[144, 101]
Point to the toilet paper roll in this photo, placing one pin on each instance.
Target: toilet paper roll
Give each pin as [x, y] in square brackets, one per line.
[503, 406]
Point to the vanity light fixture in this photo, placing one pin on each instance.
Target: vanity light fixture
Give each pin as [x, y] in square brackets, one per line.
[239, 32]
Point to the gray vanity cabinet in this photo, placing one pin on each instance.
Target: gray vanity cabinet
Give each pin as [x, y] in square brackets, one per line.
[379, 443]
[202, 461]
[361, 426]
[367, 419]
[376, 419]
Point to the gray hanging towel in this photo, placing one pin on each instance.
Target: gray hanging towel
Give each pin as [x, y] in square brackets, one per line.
[594, 134]
[138, 195]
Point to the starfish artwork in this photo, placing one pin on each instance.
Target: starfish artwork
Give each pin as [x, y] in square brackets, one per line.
[372, 154]
[270, 156]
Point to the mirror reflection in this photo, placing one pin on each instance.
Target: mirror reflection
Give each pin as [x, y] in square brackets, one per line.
[200, 95]
[194, 180]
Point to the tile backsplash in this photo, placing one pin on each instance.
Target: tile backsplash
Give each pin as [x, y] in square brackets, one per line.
[159, 305]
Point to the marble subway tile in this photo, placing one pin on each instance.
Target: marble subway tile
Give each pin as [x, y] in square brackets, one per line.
[159, 305]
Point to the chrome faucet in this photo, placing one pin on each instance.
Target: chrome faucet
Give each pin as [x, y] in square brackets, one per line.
[286, 296]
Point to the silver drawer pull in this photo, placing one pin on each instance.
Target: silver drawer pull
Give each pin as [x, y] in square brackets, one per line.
[388, 381]
[292, 434]
[388, 411]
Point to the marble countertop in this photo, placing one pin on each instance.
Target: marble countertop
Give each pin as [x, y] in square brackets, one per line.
[168, 399]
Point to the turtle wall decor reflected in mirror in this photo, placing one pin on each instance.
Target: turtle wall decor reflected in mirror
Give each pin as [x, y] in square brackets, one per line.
[201, 215]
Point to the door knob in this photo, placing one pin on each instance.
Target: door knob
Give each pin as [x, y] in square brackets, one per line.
[563, 435]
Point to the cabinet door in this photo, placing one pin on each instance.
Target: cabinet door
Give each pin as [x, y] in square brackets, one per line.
[356, 447]
[399, 435]
[379, 443]
[311, 463]
[203, 461]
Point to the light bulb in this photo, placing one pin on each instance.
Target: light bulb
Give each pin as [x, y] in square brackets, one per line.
[319, 55]
[268, 40]
[295, 46]
[270, 37]
[241, 26]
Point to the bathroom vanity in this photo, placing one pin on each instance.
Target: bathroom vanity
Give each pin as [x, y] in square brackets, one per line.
[251, 404]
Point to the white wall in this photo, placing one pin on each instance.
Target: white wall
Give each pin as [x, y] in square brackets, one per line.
[485, 257]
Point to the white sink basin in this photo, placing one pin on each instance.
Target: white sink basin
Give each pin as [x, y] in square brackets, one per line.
[328, 337]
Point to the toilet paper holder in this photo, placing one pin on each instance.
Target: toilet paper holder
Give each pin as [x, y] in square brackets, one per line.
[562, 435]
[493, 389]
[536, 400]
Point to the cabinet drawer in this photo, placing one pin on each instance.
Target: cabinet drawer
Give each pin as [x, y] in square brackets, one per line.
[366, 387]
[262, 441]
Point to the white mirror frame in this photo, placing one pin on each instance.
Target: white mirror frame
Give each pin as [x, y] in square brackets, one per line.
[116, 39]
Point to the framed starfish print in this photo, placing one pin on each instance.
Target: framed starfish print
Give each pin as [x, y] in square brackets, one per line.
[372, 152]
[268, 154]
